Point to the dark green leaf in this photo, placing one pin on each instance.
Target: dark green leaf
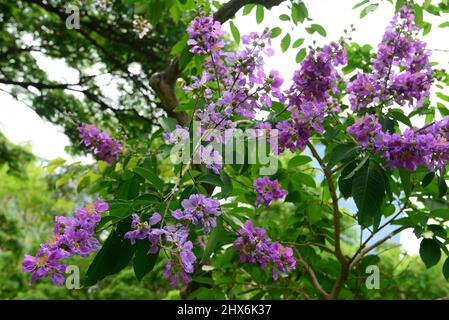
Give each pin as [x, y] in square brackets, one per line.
[212, 179]
[368, 190]
[226, 190]
[430, 252]
[143, 261]
[150, 177]
[113, 256]
[342, 153]
[446, 269]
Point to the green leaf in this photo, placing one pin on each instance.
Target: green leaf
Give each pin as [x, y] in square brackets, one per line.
[300, 55]
[284, 17]
[342, 153]
[427, 27]
[298, 43]
[406, 181]
[235, 32]
[226, 190]
[113, 256]
[86, 180]
[119, 208]
[316, 28]
[430, 252]
[64, 179]
[439, 213]
[143, 261]
[248, 8]
[212, 179]
[399, 116]
[259, 13]
[55, 163]
[214, 238]
[442, 96]
[275, 32]
[444, 25]
[368, 191]
[150, 177]
[427, 179]
[303, 178]
[168, 124]
[298, 161]
[442, 187]
[285, 42]
[345, 185]
[360, 4]
[299, 12]
[369, 8]
[146, 199]
[446, 269]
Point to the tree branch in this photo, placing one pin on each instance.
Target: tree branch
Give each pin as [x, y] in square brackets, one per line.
[344, 272]
[316, 284]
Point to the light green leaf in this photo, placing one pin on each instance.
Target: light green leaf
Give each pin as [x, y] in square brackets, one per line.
[369, 8]
[235, 32]
[285, 42]
[55, 163]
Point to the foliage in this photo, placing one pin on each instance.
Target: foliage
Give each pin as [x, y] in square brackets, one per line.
[344, 132]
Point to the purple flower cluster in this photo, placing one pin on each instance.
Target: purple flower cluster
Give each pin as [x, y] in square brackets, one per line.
[199, 209]
[268, 190]
[309, 96]
[365, 130]
[174, 239]
[72, 236]
[232, 84]
[402, 69]
[99, 143]
[415, 147]
[182, 258]
[205, 36]
[255, 247]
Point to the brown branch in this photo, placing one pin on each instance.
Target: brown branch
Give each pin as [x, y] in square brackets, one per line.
[316, 284]
[356, 259]
[344, 272]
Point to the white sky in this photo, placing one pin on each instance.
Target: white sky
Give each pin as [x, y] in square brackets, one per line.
[20, 124]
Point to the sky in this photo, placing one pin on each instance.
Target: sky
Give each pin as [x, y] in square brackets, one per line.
[21, 125]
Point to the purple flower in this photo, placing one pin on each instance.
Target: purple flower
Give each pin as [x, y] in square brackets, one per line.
[205, 36]
[182, 259]
[144, 230]
[365, 130]
[179, 135]
[46, 263]
[72, 236]
[100, 143]
[211, 158]
[267, 190]
[255, 247]
[199, 209]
